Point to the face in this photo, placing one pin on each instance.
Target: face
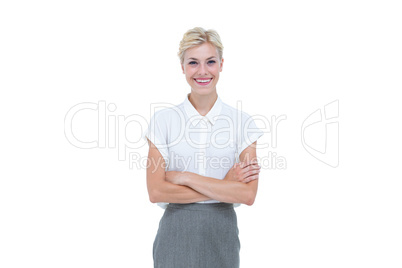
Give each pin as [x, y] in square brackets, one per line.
[202, 66]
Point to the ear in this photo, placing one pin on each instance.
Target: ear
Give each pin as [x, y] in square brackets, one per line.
[221, 65]
[182, 67]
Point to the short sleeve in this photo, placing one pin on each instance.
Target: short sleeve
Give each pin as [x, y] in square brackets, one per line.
[157, 134]
[249, 132]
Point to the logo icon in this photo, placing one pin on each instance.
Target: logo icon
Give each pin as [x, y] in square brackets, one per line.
[320, 134]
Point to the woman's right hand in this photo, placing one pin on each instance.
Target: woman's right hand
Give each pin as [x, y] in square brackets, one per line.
[243, 172]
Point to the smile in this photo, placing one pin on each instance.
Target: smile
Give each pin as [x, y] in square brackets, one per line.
[203, 82]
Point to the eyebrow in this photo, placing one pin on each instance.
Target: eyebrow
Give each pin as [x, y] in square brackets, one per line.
[197, 59]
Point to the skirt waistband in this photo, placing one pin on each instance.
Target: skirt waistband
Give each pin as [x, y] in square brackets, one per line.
[199, 206]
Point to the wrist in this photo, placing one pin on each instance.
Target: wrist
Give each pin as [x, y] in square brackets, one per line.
[186, 178]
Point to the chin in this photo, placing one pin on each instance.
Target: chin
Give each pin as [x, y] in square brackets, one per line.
[203, 91]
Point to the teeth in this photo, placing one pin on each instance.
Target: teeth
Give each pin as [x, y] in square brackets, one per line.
[203, 81]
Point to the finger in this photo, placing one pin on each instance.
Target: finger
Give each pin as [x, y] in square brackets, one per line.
[251, 172]
[236, 165]
[245, 163]
[251, 178]
[253, 167]
[250, 168]
[248, 162]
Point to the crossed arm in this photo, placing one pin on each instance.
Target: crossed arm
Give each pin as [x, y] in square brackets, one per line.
[239, 185]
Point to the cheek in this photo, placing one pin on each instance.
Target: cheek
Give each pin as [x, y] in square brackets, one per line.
[215, 70]
[189, 72]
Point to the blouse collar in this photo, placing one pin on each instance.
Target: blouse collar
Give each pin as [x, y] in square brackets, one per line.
[195, 117]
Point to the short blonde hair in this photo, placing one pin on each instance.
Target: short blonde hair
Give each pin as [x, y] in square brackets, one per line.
[198, 36]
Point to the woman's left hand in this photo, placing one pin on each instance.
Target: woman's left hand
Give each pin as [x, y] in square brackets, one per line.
[176, 177]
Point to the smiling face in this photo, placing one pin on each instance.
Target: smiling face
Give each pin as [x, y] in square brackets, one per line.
[202, 66]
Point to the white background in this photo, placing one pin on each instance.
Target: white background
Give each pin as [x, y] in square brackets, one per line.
[63, 206]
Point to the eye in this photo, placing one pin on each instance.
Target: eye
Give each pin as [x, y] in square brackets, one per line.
[192, 63]
[211, 62]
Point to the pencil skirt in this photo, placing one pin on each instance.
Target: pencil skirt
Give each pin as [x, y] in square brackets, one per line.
[197, 236]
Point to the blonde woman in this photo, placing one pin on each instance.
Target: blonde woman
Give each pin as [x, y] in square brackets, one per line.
[201, 164]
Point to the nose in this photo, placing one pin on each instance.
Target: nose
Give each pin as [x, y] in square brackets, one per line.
[202, 70]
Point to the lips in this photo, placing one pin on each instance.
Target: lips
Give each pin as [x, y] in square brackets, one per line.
[203, 81]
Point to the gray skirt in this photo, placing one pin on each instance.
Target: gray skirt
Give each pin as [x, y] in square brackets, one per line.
[197, 235]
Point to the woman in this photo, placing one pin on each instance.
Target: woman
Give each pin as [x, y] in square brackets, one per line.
[201, 164]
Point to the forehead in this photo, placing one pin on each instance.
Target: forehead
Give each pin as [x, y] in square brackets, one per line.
[203, 51]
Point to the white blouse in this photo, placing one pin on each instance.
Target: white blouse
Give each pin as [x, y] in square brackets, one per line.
[207, 145]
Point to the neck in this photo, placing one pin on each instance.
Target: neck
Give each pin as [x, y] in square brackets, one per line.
[203, 103]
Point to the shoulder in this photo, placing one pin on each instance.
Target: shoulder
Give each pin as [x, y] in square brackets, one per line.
[167, 113]
[234, 112]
